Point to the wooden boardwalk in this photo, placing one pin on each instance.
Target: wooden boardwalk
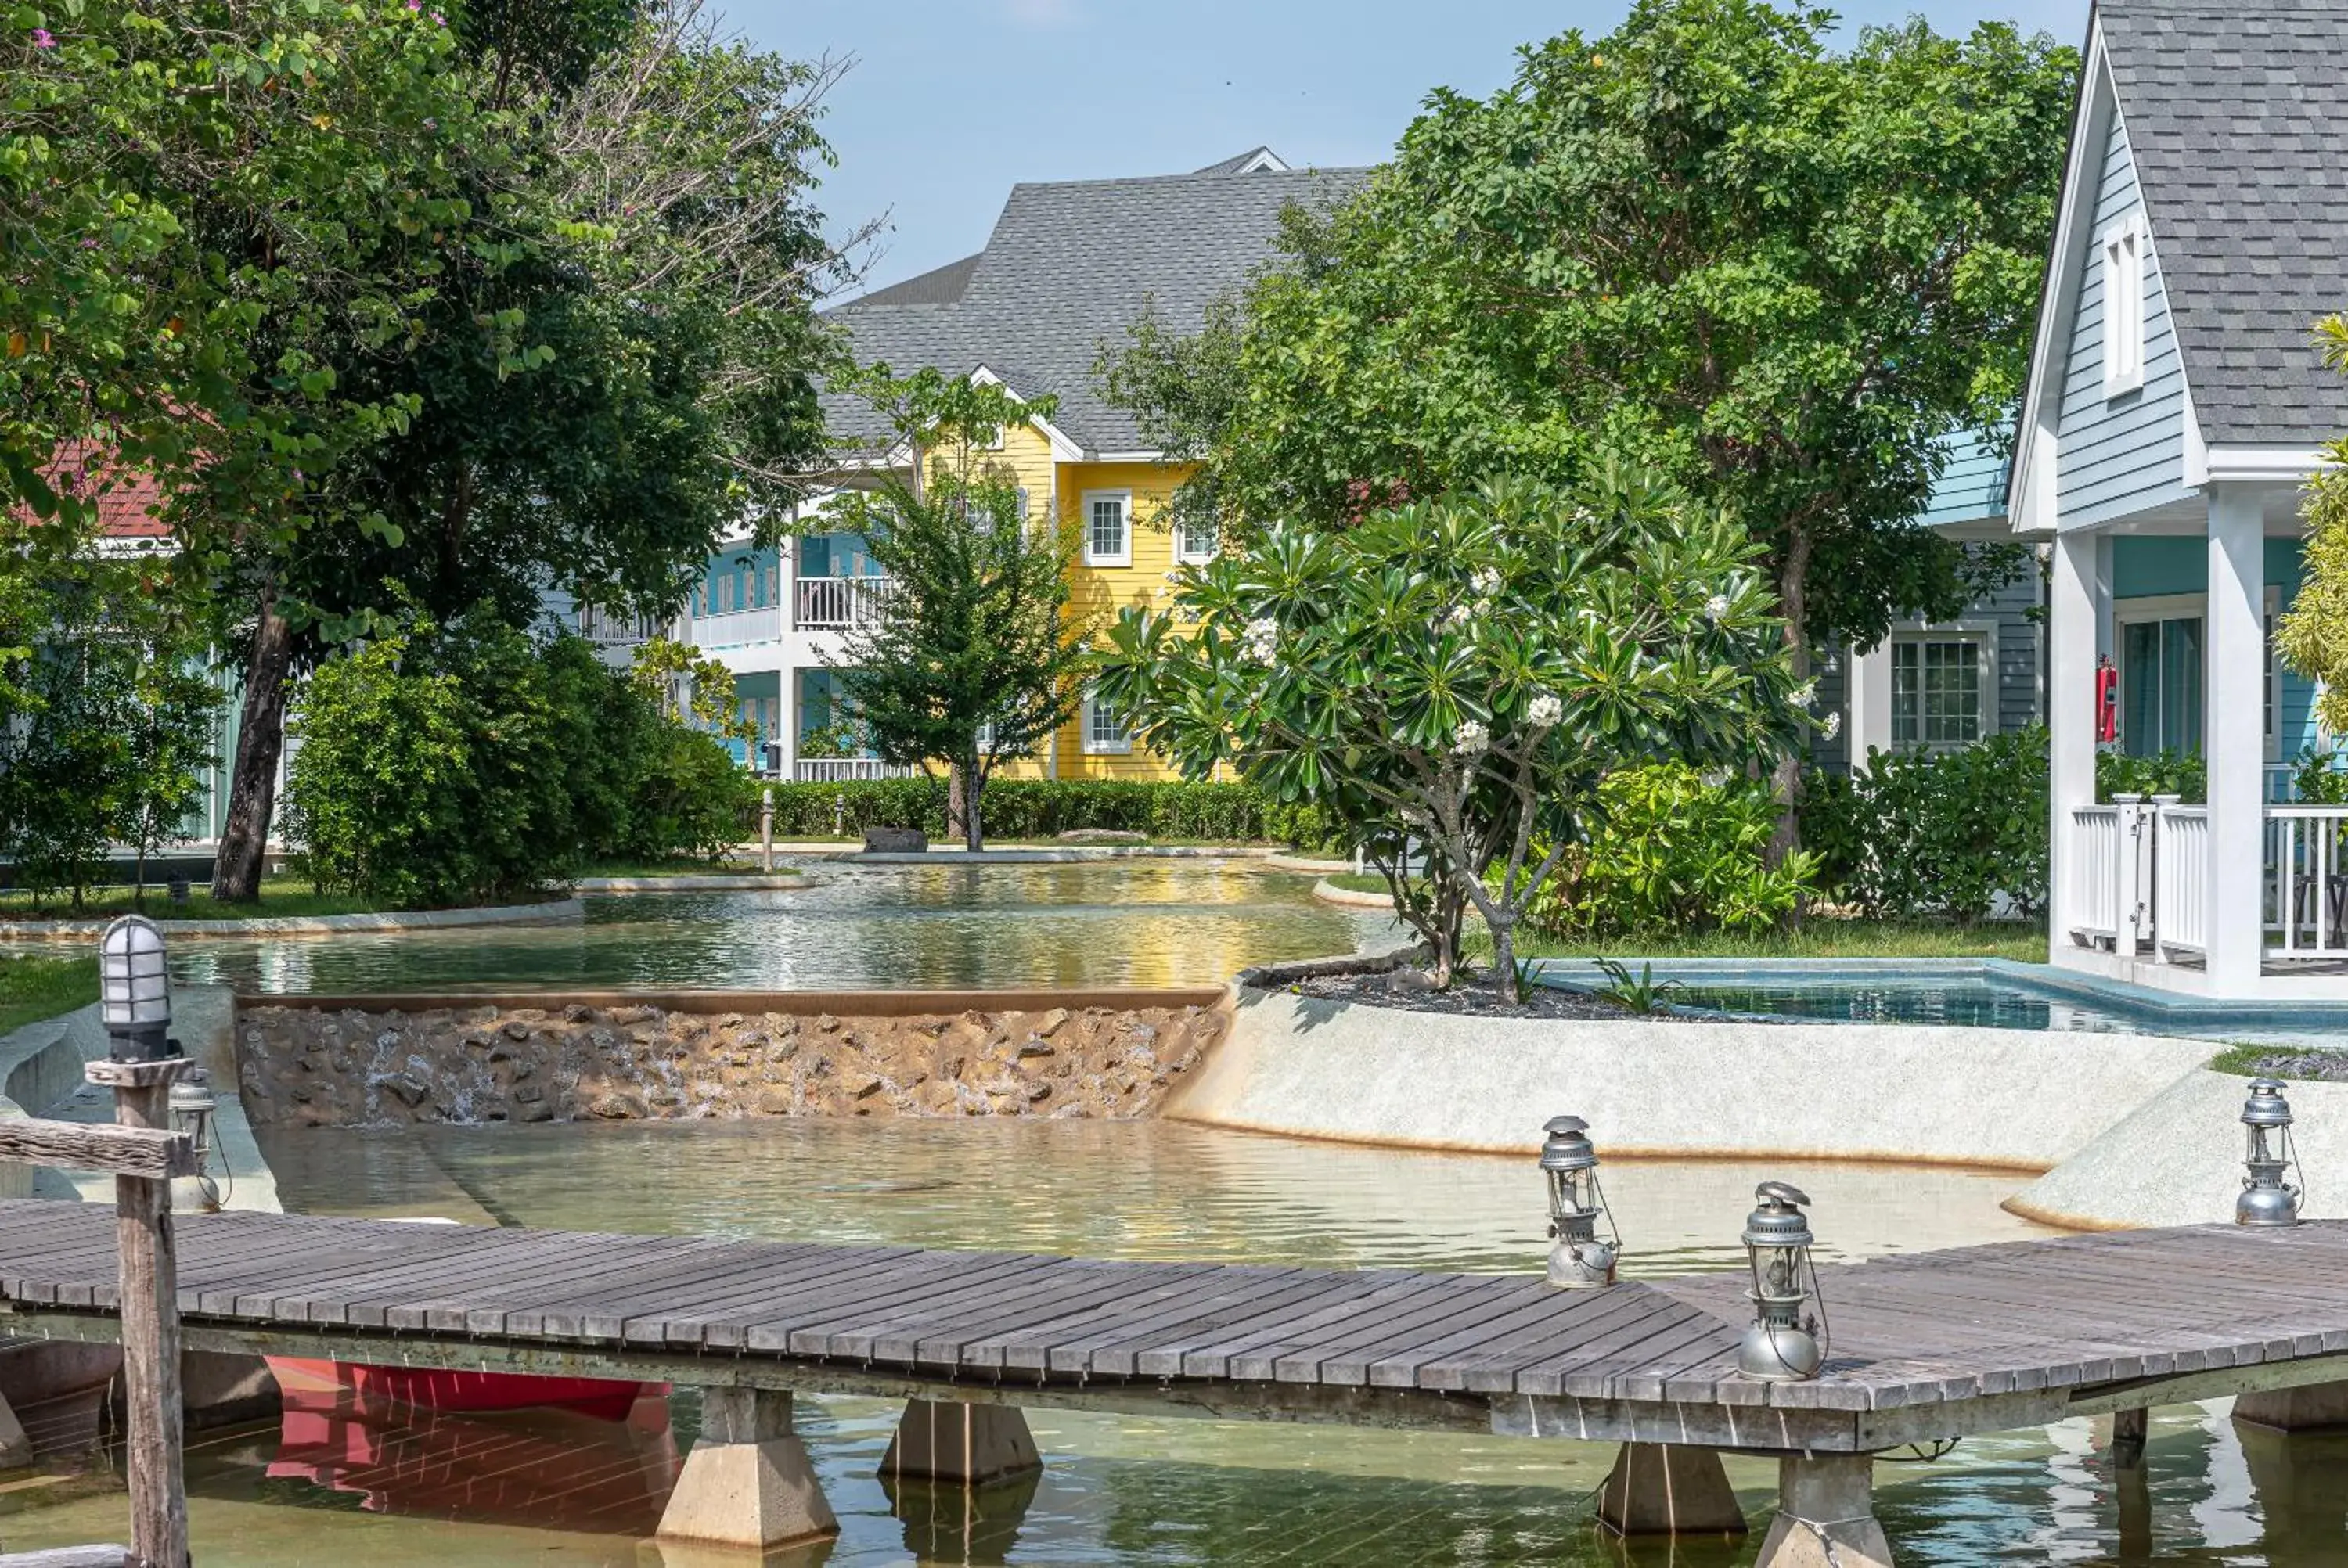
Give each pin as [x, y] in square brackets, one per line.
[1928, 1346]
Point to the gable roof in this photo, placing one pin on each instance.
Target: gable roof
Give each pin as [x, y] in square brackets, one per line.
[1072, 264]
[2237, 117]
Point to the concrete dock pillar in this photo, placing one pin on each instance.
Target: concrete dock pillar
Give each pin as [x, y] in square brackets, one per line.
[972, 1444]
[15, 1448]
[1668, 1489]
[746, 1482]
[1825, 1515]
[2308, 1409]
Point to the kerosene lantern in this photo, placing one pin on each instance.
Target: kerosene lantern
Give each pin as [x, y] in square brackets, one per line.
[1577, 1260]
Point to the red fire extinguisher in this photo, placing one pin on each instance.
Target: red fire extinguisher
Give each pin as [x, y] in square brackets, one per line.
[2107, 700]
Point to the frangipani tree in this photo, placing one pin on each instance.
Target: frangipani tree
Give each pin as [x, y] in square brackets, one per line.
[1464, 672]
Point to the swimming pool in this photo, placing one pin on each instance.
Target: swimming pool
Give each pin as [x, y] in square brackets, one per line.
[1985, 993]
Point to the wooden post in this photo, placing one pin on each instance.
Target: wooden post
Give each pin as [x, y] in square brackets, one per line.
[144, 1154]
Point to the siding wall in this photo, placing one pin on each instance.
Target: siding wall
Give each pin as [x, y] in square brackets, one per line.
[2124, 454]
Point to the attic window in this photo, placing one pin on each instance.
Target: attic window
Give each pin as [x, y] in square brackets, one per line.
[2122, 261]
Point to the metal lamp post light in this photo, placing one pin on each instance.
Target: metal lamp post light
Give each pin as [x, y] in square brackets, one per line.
[2268, 1201]
[1782, 1346]
[193, 1106]
[1577, 1260]
[142, 1062]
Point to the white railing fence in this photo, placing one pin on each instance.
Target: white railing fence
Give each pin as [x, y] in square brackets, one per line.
[830, 602]
[2180, 882]
[847, 770]
[2308, 880]
[737, 628]
[2096, 874]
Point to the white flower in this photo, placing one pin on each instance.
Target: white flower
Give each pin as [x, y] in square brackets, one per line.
[1715, 607]
[1470, 739]
[1714, 777]
[1806, 695]
[1452, 618]
[1263, 639]
[1834, 724]
[1486, 582]
[1544, 710]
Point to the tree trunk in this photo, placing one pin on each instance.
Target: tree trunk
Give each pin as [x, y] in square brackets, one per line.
[957, 803]
[1786, 778]
[1504, 963]
[973, 786]
[260, 741]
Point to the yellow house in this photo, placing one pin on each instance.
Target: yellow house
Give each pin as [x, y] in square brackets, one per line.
[1068, 271]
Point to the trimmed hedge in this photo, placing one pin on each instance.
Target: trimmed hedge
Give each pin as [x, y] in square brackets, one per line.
[1918, 834]
[1045, 808]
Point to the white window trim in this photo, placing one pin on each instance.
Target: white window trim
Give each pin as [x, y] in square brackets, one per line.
[1183, 554]
[1125, 499]
[2125, 305]
[1983, 635]
[1096, 748]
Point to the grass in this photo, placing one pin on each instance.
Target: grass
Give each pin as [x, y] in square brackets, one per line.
[1815, 937]
[2253, 1059]
[282, 897]
[34, 988]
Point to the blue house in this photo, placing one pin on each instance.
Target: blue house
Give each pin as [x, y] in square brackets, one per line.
[2177, 405]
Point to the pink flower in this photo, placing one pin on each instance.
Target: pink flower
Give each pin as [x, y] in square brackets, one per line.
[415, 4]
[43, 39]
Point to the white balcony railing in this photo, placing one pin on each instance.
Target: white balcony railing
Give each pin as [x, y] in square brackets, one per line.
[832, 603]
[847, 770]
[606, 631]
[2308, 880]
[2096, 870]
[739, 626]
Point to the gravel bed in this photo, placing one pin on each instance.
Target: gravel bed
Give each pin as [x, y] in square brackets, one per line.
[2316, 1066]
[1408, 989]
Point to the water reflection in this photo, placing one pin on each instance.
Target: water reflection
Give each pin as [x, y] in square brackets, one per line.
[1182, 922]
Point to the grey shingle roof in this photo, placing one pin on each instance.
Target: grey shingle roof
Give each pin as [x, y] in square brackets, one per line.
[1069, 265]
[2236, 117]
[938, 286]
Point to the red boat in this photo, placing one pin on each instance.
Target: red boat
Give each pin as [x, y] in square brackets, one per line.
[431, 1388]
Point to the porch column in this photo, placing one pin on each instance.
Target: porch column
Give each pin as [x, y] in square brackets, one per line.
[1870, 702]
[2074, 609]
[786, 765]
[2233, 736]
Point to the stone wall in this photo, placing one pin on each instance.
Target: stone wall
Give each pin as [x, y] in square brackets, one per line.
[353, 1067]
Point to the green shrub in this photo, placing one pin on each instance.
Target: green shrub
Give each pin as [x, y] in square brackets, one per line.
[457, 764]
[1672, 853]
[1045, 808]
[1935, 833]
[2180, 774]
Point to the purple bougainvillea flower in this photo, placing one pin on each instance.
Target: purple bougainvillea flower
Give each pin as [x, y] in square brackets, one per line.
[43, 39]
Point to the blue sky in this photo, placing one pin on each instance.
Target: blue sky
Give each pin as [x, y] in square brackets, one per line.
[951, 102]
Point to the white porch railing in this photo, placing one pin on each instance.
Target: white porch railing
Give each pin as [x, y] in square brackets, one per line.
[2180, 883]
[847, 770]
[2096, 871]
[2308, 880]
[832, 602]
[737, 628]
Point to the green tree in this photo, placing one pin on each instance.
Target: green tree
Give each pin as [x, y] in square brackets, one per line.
[974, 656]
[616, 369]
[1464, 672]
[1778, 273]
[2313, 636]
[689, 687]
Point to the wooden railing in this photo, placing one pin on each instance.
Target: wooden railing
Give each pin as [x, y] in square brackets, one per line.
[2308, 880]
[2180, 878]
[2096, 874]
[847, 770]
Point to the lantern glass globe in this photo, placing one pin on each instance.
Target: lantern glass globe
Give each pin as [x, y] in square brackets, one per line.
[134, 986]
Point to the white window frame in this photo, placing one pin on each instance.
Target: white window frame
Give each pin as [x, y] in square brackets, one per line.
[2122, 254]
[1094, 747]
[1185, 553]
[1124, 498]
[1983, 636]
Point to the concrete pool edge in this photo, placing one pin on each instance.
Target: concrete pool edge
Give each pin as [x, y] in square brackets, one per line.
[1901, 1093]
[547, 912]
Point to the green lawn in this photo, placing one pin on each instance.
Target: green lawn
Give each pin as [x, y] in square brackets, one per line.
[281, 897]
[33, 988]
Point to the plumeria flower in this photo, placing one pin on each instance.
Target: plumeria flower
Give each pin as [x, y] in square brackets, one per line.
[1452, 618]
[1806, 695]
[1715, 607]
[1470, 738]
[1834, 724]
[1545, 711]
[1486, 582]
[1263, 639]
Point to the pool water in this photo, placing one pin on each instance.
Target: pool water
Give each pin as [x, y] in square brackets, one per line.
[1138, 1492]
[1129, 922]
[1973, 1002]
